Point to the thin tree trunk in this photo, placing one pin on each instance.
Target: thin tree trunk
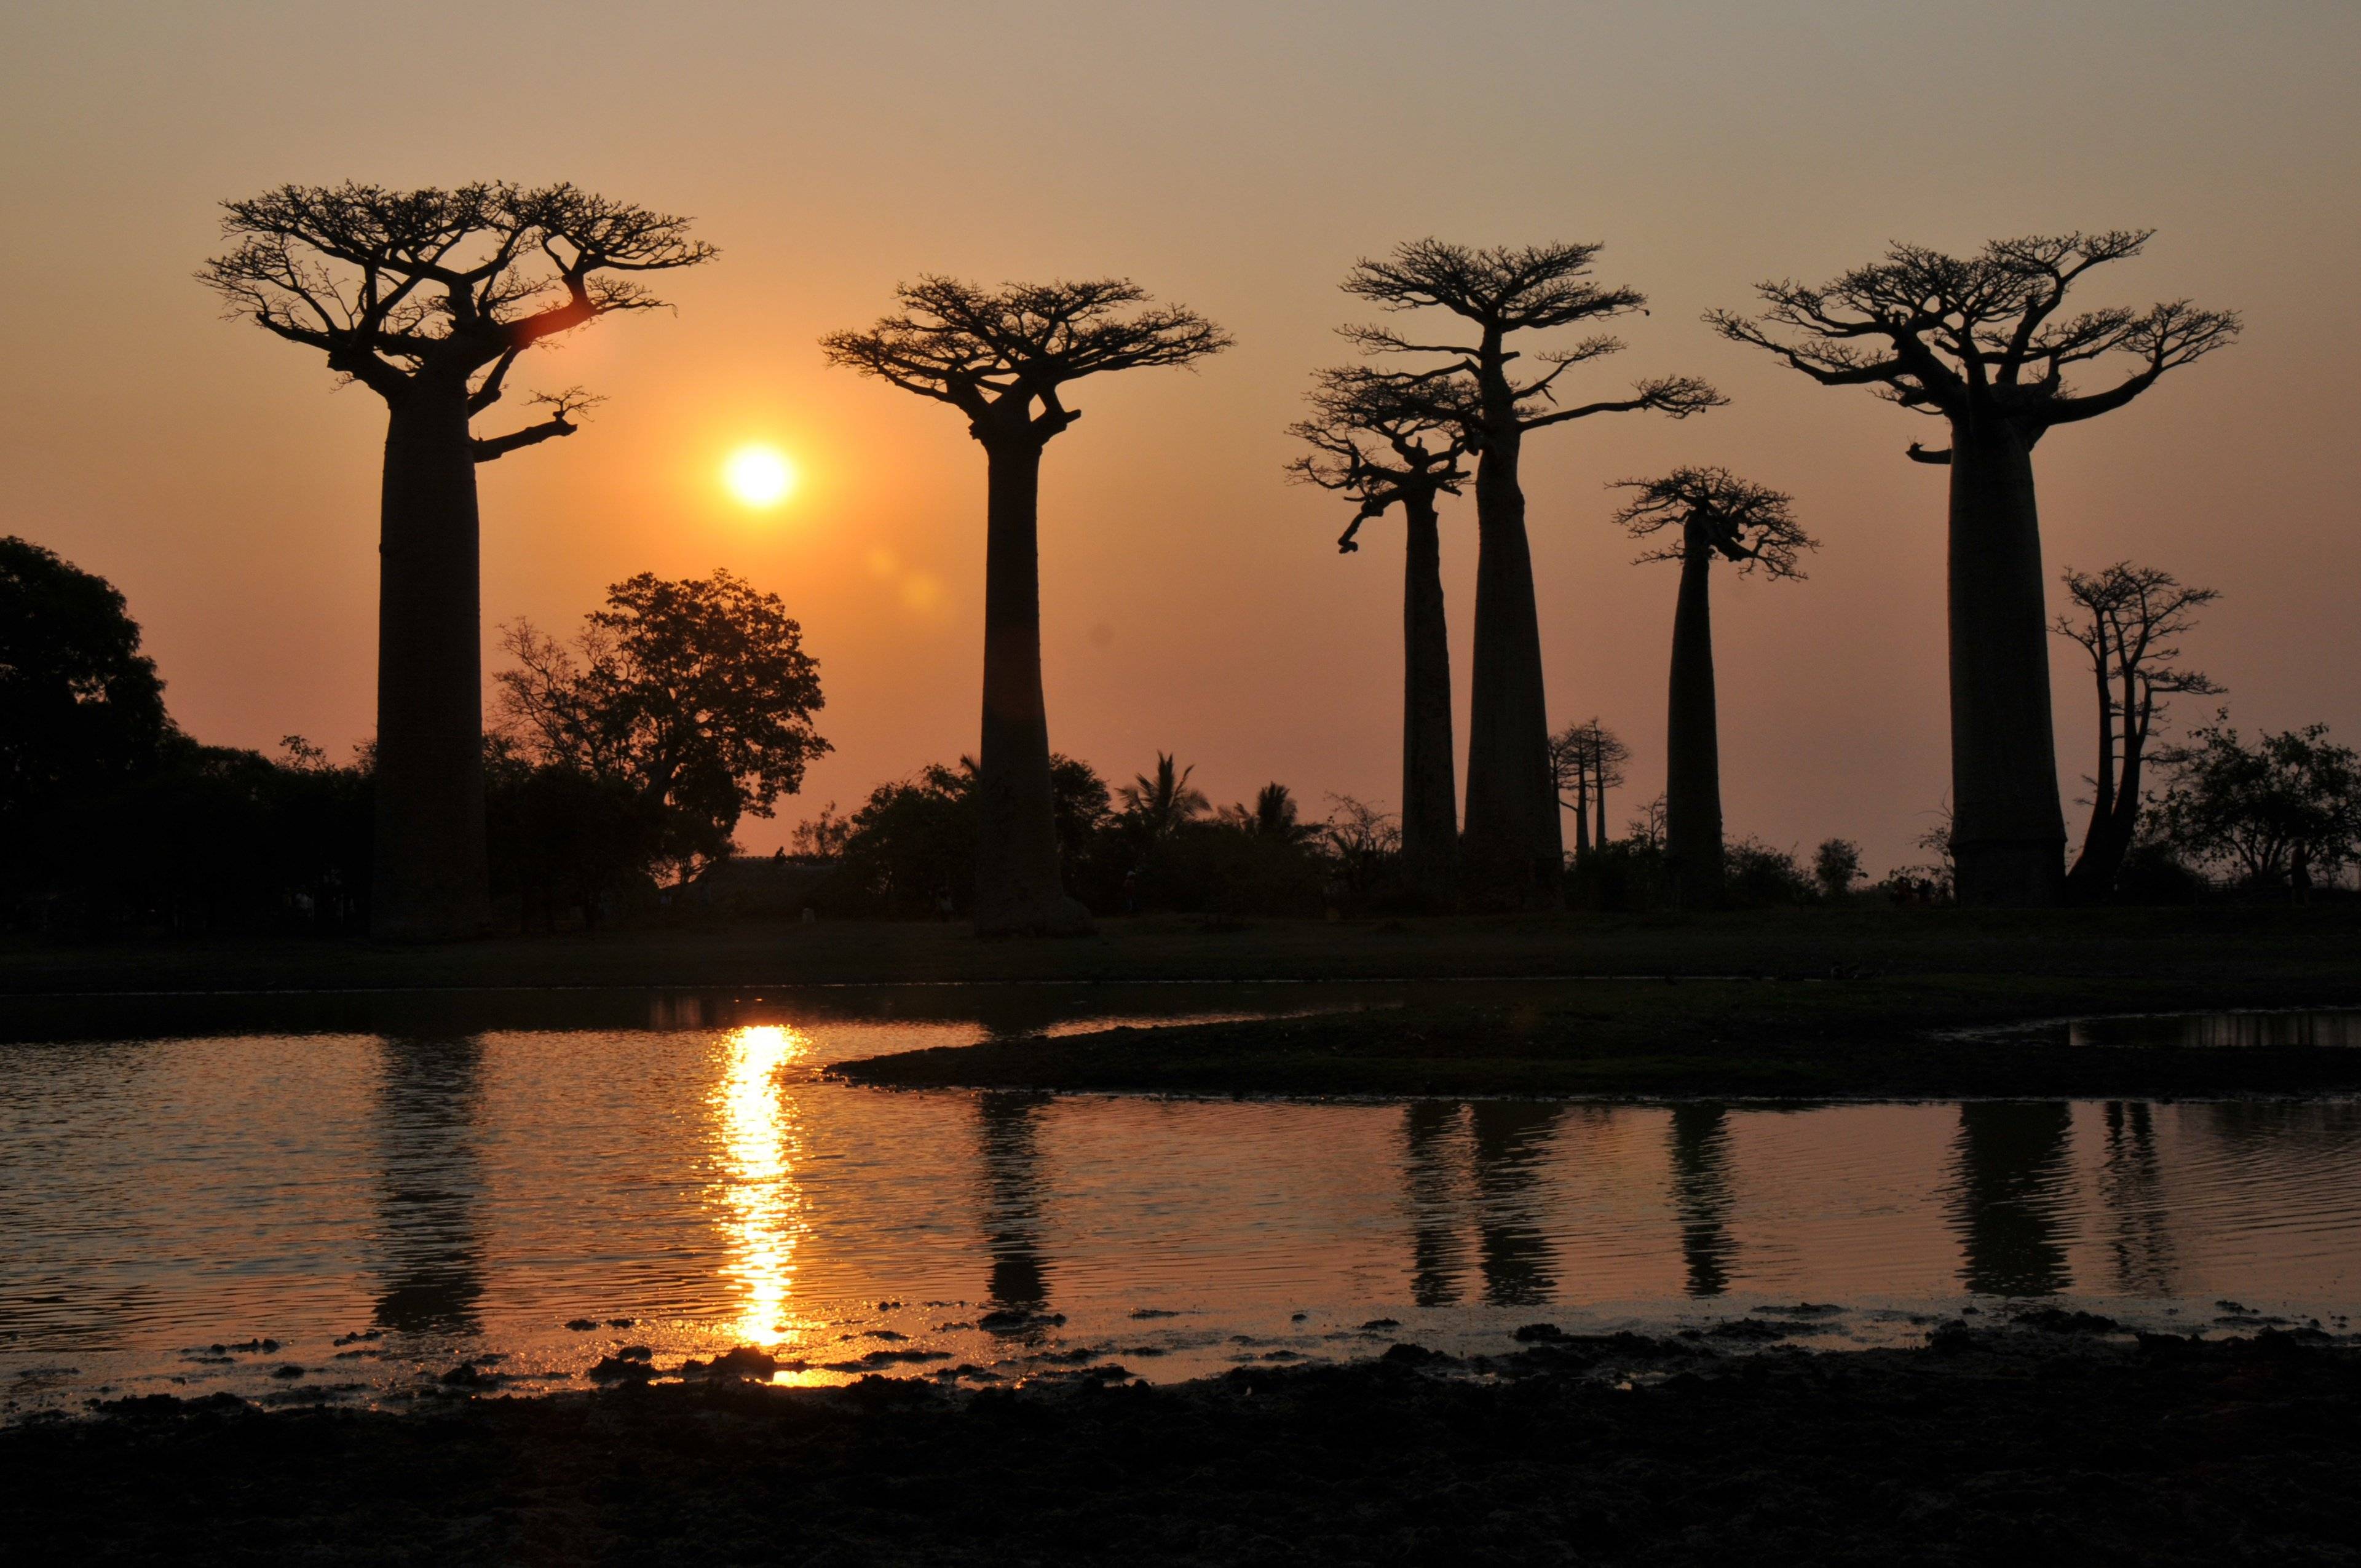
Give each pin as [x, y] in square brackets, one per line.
[1692, 740]
[1511, 851]
[2008, 832]
[429, 881]
[1598, 803]
[2090, 876]
[1581, 812]
[1430, 791]
[1017, 886]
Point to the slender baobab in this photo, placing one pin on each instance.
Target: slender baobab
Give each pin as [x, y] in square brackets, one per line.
[1382, 449]
[1717, 514]
[1585, 760]
[2129, 616]
[1979, 341]
[1510, 848]
[428, 297]
[1002, 358]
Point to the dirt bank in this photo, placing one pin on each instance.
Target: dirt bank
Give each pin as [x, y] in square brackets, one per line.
[2033, 1443]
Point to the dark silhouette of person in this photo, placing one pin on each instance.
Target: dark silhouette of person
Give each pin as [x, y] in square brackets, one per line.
[1437, 1251]
[2130, 1183]
[1701, 1194]
[430, 1185]
[2009, 1174]
[1512, 1249]
[1009, 1128]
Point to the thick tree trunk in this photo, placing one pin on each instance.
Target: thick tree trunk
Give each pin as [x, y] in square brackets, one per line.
[1018, 889]
[1430, 791]
[1692, 740]
[2008, 831]
[428, 881]
[1510, 852]
[2091, 875]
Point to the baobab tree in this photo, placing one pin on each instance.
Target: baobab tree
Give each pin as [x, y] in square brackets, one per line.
[1983, 343]
[2128, 617]
[1382, 446]
[1586, 761]
[429, 297]
[1710, 513]
[1003, 359]
[1511, 849]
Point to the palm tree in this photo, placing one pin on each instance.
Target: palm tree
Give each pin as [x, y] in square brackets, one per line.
[1160, 806]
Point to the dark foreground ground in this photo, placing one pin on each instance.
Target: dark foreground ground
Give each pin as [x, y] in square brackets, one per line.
[2026, 1445]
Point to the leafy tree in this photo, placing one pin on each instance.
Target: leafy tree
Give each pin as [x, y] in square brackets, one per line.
[82, 710]
[429, 297]
[1710, 513]
[696, 693]
[1157, 805]
[1275, 815]
[1836, 866]
[1982, 342]
[2281, 811]
[1511, 847]
[1002, 360]
[1382, 445]
[2127, 619]
[914, 841]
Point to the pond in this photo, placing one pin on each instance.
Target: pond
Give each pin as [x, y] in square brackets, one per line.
[374, 1191]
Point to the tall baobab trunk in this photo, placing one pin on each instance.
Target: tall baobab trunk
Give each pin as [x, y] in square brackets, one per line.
[1017, 886]
[1582, 816]
[1511, 849]
[1692, 739]
[2008, 832]
[1430, 791]
[428, 880]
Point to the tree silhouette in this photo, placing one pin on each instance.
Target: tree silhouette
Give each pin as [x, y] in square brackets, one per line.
[1982, 342]
[1717, 514]
[1585, 760]
[2128, 616]
[1161, 802]
[994, 355]
[1383, 445]
[1510, 848]
[429, 297]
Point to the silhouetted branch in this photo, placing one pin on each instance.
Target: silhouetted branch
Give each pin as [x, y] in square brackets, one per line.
[1715, 509]
[564, 405]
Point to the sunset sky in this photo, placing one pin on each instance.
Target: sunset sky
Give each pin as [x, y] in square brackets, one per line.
[1236, 157]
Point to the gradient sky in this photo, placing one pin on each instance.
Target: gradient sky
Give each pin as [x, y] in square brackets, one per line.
[1238, 157]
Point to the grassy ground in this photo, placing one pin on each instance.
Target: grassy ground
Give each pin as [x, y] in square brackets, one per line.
[2026, 1445]
[1829, 1002]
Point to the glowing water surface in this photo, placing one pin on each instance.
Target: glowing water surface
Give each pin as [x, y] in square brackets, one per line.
[388, 1202]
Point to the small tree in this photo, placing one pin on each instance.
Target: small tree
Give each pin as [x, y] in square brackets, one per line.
[1836, 866]
[1586, 761]
[2283, 810]
[1159, 804]
[1002, 360]
[1382, 445]
[1982, 343]
[698, 693]
[1510, 848]
[429, 297]
[1715, 514]
[2127, 616]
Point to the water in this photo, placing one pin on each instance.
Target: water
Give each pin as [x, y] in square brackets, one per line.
[392, 1197]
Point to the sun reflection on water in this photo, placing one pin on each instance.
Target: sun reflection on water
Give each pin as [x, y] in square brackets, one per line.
[762, 1142]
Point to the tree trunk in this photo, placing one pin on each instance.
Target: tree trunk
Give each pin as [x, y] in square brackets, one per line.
[1598, 803]
[1582, 812]
[1692, 740]
[429, 880]
[2008, 831]
[1511, 853]
[1430, 793]
[2092, 875]
[1017, 885]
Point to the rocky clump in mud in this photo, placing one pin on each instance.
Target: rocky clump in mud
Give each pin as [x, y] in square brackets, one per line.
[2056, 1441]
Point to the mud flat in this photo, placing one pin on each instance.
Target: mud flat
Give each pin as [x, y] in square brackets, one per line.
[2055, 1438]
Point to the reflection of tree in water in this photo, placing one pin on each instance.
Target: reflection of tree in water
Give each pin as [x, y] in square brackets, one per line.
[1010, 1128]
[431, 1264]
[1701, 1194]
[1438, 1254]
[2010, 1175]
[2130, 1184]
[1510, 1137]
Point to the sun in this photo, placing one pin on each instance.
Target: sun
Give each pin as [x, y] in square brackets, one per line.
[760, 476]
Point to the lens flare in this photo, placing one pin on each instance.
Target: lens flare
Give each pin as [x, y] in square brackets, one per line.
[760, 476]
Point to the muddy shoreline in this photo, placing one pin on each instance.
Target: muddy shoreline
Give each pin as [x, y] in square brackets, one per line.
[2051, 1439]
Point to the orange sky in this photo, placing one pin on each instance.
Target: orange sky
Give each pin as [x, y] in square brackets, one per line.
[1236, 158]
